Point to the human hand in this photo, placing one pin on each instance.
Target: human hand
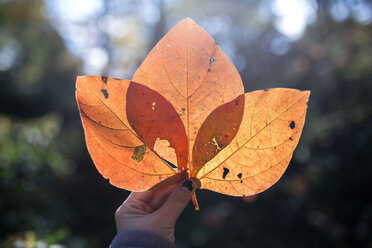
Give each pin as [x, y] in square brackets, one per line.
[156, 211]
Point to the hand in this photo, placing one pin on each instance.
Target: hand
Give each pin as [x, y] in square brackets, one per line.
[156, 211]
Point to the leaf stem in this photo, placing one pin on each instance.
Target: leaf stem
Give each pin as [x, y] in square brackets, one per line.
[195, 202]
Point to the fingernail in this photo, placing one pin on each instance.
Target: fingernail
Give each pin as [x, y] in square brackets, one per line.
[188, 185]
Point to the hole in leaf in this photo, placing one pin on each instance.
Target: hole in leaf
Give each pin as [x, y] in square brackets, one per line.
[225, 172]
[104, 92]
[171, 164]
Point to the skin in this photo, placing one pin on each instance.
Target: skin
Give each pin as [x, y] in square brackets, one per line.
[155, 211]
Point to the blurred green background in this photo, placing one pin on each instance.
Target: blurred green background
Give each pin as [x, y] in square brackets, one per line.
[51, 195]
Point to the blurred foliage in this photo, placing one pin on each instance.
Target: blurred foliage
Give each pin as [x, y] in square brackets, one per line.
[50, 192]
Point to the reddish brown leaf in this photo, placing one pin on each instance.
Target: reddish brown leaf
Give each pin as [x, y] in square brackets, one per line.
[157, 124]
[217, 131]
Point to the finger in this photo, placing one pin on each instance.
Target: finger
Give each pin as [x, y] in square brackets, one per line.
[165, 188]
[177, 178]
[137, 201]
[144, 196]
[177, 201]
[162, 195]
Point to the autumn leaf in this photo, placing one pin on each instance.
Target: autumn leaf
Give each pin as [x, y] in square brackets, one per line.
[260, 152]
[116, 149]
[185, 111]
[190, 70]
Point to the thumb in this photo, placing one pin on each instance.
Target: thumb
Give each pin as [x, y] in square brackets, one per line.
[178, 200]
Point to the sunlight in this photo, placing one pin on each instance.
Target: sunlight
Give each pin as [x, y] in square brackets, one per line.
[75, 10]
[293, 15]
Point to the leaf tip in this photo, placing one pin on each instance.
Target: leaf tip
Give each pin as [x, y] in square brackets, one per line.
[79, 80]
[188, 20]
[307, 93]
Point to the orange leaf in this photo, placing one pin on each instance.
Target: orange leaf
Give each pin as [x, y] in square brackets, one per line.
[261, 150]
[115, 148]
[187, 107]
[190, 70]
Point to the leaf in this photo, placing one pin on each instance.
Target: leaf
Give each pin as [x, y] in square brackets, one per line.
[157, 124]
[217, 131]
[190, 70]
[262, 148]
[186, 111]
[115, 147]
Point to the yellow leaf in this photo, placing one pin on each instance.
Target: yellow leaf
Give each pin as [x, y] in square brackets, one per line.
[261, 150]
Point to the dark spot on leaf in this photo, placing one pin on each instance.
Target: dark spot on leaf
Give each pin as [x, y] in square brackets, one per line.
[211, 60]
[226, 136]
[105, 93]
[104, 79]
[183, 109]
[99, 122]
[139, 153]
[225, 172]
[209, 70]
[292, 125]
[236, 103]
[241, 181]
[240, 175]
[290, 138]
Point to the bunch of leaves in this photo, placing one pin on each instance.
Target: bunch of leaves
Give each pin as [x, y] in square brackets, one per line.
[185, 111]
